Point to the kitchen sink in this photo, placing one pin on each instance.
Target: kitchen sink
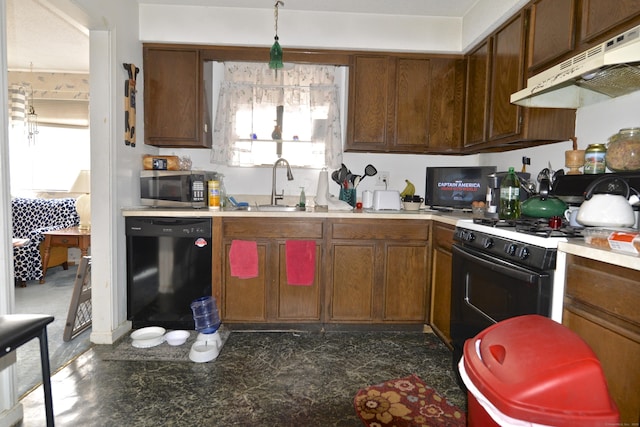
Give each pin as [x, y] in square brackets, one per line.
[279, 208]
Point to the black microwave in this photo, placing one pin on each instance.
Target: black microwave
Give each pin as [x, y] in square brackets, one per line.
[178, 189]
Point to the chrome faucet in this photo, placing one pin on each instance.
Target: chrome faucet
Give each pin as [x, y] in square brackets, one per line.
[275, 196]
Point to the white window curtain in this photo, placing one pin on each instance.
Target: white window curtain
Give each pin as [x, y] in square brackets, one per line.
[251, 91]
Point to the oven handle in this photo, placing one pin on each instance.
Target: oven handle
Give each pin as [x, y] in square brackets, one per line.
[500, 266]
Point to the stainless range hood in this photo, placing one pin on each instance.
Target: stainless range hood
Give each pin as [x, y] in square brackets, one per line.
[603, 72]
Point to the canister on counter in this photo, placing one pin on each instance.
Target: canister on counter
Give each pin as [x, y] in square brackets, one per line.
[594, 159]
[213, 188]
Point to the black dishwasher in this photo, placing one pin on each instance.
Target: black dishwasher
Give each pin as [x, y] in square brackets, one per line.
[168, 266]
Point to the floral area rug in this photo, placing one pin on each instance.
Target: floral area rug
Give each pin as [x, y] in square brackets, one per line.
[406, 402]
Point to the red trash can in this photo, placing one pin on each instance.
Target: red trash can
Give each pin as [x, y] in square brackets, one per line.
[530, 370]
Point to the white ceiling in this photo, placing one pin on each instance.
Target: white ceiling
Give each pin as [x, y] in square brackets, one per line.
[41, 38]
[451, 8]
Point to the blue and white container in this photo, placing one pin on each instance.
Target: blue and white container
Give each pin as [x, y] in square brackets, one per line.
[205, 314]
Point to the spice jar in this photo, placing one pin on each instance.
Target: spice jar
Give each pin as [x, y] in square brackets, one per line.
[594, 159]
[623, 150]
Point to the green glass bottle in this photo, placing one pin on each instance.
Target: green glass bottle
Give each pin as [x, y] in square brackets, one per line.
[510, 196]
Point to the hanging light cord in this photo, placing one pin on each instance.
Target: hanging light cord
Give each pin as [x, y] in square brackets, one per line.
[275, 14]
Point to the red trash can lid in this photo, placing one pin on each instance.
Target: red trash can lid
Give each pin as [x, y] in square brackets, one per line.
[534, 369]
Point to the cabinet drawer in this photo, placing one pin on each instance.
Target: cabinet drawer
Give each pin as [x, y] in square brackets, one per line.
[443, 235]
[381, 229]
[65, 241]
[611, 288]
[272, 228]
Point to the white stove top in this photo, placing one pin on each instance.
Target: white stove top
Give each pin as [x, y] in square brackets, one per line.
[511, 233]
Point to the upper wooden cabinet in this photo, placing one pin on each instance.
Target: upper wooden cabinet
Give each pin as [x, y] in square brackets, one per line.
[405, 104]
[176, 108]
[477, 94]
[606, 18]
[495, 70]
[552, 26]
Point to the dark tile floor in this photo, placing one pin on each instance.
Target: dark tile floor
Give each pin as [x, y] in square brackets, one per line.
[259, 379]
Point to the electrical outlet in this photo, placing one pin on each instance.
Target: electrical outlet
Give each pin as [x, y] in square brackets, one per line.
[383, 179]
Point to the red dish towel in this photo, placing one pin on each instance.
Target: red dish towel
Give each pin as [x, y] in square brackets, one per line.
[243, 259]
[301, 262]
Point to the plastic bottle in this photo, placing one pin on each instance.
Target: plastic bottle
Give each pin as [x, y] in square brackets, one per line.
[303, 198]
[214, 195]
[510, 196]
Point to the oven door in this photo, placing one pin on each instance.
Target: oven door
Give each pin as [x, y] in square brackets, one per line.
[486, 290]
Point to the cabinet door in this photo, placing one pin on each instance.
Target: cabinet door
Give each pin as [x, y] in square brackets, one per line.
[601, 16]
[601, 305]
[446, 105]
[352, 281]
[507, 75]
[441, 260]
[413, 82]
[551, 31]
[405, 284]
[370, 105]
[297, 302]
[174, 104]
[477, 96]
[245, 300]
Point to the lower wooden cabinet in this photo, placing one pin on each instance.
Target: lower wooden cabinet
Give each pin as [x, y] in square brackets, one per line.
[601, 305]
[269, 298]
[367, 272]
[379, 271]
[441, 260]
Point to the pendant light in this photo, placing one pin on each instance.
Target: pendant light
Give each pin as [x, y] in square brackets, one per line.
[275, 54]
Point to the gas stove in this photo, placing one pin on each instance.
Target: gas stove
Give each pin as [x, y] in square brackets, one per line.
[529, 243]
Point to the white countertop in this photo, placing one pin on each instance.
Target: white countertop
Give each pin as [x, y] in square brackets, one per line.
[444, 217]
[582, 249]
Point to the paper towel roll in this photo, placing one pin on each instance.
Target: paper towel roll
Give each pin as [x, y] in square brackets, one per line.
[323, 188]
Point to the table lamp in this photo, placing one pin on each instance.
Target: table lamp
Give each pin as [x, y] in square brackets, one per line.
[83, 202]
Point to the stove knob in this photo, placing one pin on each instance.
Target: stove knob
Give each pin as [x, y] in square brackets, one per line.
[510, 249]
[524, 253]
[469, 236]
[488, 243]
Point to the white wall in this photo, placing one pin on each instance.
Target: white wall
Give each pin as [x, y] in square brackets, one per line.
[594, 124]
[237, 26]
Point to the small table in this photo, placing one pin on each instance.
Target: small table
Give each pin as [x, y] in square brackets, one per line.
[71, 237]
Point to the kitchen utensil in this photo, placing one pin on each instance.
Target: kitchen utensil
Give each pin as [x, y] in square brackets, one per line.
[344, 172]
[607, 203]
[335, 176]
[543, 205]
[556, 174]
[544, 174]
[369, 170]
[411, 206]
[571, 215]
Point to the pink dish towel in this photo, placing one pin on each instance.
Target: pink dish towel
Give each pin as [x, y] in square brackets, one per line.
[243, 259]
[301, 262]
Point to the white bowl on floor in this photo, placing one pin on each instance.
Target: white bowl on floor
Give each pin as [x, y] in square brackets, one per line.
[203, 351]
[176, 337]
